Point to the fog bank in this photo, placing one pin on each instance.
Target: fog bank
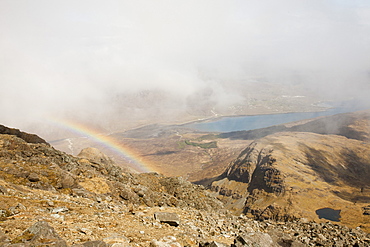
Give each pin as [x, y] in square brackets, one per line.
[96, 59]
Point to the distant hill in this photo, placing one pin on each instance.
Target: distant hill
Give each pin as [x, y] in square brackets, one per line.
[352, 125]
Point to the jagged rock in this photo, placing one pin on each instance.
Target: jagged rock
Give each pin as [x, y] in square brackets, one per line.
[193, 195]
[3, 190]
[59, 210]
[127, 194]
[4, 213]
[284, 239]
[213, 244]
[40, 234]
[81, 192]
[170, 218]
[168, 241]
[256, 239]
[30, 138]
[95, 155]
[217, 244]
[84, 231]
[17, 208]
[66, 181]
[366, 210]
[274, 212]
[33, 177]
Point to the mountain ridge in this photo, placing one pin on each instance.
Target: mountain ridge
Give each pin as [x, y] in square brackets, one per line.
[277, 174]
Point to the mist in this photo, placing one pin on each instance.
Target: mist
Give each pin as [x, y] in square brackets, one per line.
[115, 62]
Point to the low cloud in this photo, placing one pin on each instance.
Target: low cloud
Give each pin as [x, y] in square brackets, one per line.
[77, 57]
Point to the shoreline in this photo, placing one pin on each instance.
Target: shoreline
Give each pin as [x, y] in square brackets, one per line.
[173, 124]
[216, 118]
[320, 107]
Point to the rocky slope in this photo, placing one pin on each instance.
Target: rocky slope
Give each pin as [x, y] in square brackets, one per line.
[49, 198]
[290, 175]
[168, 150]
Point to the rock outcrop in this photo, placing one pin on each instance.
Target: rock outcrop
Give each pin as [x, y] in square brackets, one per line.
[30, 138]
[96, 156]
[40, 234]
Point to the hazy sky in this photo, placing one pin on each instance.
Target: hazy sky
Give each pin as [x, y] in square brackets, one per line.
[56, 54]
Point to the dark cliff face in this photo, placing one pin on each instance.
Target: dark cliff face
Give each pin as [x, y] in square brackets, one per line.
[30, 138]
[241, 170]
[255, 168]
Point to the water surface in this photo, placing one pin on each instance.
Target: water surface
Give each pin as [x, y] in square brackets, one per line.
[329, 214]
[229, 124]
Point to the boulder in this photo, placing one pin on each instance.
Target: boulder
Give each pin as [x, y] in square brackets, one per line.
[40, 234]
[66, 181]
[165, 217]
[95, 156]
[33, 177]
[255, 239]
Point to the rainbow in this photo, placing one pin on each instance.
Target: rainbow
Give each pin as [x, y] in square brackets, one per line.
[135, 161]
